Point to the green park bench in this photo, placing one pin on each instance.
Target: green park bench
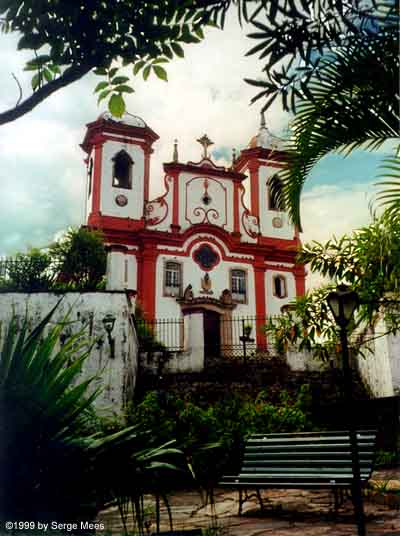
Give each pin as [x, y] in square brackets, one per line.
[305, 460]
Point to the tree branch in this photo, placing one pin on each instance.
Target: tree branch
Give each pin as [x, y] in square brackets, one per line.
[19, 87]
[70, 75]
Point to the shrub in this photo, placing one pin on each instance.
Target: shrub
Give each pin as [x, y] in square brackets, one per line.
[81, 257]
[28, 271]
[211, 436]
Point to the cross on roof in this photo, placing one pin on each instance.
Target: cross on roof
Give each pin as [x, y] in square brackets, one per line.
[205, 142]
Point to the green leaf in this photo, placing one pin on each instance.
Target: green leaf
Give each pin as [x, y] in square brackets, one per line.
[119, 80]
[160, 72]
[138, 65]
[167, 51]
[100, 71]
[116, 105]
[124, 89]
[48, 75]
[160, 60]
[177, 49]
[112, 72]
[199, 32]
[54, 68]
[146, 72]
[103, 95]
[32, 41]
[39, 61]
[35, 81]
[100, 86]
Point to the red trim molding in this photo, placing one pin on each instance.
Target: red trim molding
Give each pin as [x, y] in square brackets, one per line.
[259, 288]
[300, 280]
[98, 158]
[147, 262]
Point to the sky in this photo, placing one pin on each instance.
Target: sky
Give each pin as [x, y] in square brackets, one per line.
[42, 173]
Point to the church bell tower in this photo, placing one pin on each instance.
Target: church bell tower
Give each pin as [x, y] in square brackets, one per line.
[118, 169]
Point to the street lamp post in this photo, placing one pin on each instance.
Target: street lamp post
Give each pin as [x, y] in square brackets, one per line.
[342, 303]
[245, 338]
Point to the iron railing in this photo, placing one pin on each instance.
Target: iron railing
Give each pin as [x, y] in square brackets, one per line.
[160, 334]
[241, 337]
[25, 268]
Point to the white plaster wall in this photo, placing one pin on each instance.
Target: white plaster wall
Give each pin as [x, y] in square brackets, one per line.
[116, 377]
[302, 361]
[195, 342]
[266, 216]
[273, 303]
[121, 271]
[375, 367]
[394, 361]
[135, 196]
[167, 307]
[191, 191]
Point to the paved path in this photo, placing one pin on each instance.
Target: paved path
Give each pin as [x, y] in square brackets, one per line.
[287, 513]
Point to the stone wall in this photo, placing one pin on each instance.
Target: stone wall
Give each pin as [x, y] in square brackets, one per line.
[116, 375]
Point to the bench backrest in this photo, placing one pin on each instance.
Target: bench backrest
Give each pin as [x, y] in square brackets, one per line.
[319, 453]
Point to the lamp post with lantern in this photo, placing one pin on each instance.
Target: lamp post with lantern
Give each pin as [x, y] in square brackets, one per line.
[343, 302]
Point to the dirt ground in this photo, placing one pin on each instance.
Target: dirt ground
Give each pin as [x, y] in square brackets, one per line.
[286, 513]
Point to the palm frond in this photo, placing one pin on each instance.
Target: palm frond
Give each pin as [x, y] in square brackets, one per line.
[389, 195]
[352, 104]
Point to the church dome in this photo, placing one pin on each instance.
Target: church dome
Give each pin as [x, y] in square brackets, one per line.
[126, 119]
[265, 139]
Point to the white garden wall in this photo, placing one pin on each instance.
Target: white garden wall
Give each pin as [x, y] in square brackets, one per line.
[86, 310]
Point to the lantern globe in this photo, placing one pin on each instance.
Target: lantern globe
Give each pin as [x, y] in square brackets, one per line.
[342, 302]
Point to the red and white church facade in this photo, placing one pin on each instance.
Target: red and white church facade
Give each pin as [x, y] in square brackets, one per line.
[211, 248]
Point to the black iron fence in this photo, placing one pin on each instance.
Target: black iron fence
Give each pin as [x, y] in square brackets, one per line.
[241, 337]
[28, 273]
[160, 334]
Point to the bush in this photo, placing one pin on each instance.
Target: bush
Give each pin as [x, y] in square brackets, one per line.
[28, 271]
[211, 436]
[82, 259]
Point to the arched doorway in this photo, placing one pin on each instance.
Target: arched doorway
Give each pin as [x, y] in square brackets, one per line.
[215, 327]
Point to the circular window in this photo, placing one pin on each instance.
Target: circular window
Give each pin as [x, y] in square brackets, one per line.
[121, 200]
[277, 222]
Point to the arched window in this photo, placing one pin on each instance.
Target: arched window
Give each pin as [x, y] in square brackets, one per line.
[275, 200]
[239, 286]
[172, 279]
[122, 170]
[279, 286]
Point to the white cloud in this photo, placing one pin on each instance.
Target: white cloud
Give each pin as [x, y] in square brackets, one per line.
[42, 173]
[333, 210]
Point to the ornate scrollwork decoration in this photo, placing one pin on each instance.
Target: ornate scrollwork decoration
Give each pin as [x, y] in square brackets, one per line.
[250, 222]
[157, 210]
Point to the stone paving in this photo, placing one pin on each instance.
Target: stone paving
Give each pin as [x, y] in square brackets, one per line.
[286, 513]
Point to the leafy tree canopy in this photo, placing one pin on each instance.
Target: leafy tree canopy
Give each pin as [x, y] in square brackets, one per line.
[368, 260]
[81, 258]
[70, 39]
